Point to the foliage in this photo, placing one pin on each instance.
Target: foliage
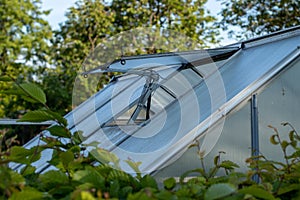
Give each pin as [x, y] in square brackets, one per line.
[78, 175]
[186, 17]
[259, 17]
[87, 23]
[24, 36]
[24, 51]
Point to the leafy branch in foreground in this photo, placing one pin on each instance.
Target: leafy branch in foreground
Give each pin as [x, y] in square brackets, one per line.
[281, 178]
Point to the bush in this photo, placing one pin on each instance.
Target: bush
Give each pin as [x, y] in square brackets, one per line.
[77, 177]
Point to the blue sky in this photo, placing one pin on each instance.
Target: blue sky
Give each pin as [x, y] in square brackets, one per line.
[59, 8]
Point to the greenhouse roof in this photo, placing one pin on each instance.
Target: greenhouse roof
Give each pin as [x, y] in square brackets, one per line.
[163, 102]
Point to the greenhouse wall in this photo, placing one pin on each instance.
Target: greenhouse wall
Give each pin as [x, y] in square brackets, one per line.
[277, 103]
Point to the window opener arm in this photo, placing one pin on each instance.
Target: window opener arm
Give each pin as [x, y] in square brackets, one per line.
[151, 84]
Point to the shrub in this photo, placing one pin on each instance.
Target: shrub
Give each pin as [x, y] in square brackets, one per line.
[77, 177]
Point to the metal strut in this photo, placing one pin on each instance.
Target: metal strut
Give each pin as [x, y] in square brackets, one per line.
[254, 131]
[151, 85]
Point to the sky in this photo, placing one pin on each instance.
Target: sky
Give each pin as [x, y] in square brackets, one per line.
[60, 7]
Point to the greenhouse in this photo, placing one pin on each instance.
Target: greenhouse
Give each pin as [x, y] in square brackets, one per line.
[219, 99]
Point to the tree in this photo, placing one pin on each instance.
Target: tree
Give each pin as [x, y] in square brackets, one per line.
[259, 17]
[23, 47]
[182, 16]
[88, 22]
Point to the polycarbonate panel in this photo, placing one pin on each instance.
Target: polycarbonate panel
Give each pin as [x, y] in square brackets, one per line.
[119, 101]
[179, 118]
[279, 102]
[253, 63]
[161, 99]
[235, 141]
[208, 69]
[165, 71]
[99, 99]
[182, 81]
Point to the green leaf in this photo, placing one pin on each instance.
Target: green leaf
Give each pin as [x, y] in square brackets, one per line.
[61, 190]
[34, 92]
[185, 174]
[120, 175]
[291, 136]
[184, 192]
[52, 179]
[77, 137]
[165, 194]
[22, 155]
[75, 149]
[59, 131]
[5, 78]
[114, 188]
[37, 116]
[257, 192]
[66, 158]
[216, 160]
[90, 175]
[199, 180]
[106, 157]
[125, 191]
[273, 139]
[134, 165]
[15, 91]
[58, 117]
[227, 164]
[284, 144]
[141, 195]
[42, 116]
[170, 183]
[28, 170]
[16, 178]
[86, 196]
[148, 181]
[196, 190]
[27, 194]
[288, 188]
[219, 190]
